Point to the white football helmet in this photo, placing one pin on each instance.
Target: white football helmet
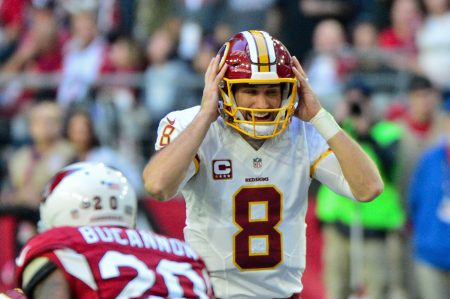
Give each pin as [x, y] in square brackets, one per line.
[88, 194]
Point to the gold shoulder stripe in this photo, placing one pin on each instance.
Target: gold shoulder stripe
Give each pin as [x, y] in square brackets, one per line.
[196, 163]
[312, 169]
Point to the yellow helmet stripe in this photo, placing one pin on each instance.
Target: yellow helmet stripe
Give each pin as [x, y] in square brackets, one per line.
[262, 51]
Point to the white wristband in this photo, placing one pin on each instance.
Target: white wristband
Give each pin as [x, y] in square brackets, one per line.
[326, 125]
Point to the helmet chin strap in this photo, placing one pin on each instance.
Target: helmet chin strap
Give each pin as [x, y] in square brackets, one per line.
[258, 129]
[261, 130]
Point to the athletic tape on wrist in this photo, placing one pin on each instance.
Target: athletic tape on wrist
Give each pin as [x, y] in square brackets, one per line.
[326, 125]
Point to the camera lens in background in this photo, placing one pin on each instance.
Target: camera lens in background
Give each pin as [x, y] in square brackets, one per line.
[355, 109]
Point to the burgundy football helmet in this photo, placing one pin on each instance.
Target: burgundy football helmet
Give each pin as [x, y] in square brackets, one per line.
[254, 57]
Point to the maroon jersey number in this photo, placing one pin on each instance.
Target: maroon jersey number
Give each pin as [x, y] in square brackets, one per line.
[257, 212]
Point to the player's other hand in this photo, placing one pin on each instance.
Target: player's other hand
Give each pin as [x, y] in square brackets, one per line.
[210, 98]
[308, 103]
[13, 294]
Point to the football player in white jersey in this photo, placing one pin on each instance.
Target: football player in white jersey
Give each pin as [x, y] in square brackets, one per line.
[244, 169]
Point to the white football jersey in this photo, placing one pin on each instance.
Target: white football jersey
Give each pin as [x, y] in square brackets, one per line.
[246, 208]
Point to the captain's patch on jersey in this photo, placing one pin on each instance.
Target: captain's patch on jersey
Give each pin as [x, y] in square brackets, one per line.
[222, 170]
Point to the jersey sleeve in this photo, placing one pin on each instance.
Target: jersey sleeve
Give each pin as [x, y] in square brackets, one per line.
[36, 260]
[317, 145]
[324, 165]
[328, 171]
[170, 127]
[34, 272]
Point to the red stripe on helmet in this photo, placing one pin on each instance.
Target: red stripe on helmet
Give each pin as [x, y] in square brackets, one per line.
[56, 180]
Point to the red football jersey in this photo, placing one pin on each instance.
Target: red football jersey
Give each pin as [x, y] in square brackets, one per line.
[116, 262]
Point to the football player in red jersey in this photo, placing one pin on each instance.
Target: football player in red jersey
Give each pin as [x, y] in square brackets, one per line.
[88, 246]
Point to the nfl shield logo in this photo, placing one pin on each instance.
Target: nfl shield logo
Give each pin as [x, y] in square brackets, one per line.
[257, 162]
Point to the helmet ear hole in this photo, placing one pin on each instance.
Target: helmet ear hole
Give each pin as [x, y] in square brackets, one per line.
[286, 90]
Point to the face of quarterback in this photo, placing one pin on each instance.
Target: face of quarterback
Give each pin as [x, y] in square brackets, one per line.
[258, 96]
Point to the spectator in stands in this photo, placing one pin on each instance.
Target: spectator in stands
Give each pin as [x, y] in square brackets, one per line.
[123, 56]
[162, 77]
[248, 14]
[341, 10]
[119, 87]
[365, 35]
[367, 54]
[306, 14]
[221, 33]
[433, 42]
[83, 56]
[113, 16]
[405, 19]
[122, 65]
[80, 132]
[429, 205]
[162, 74]
[371, 226]
[150, 15]
[398, 40]
[421, 125]
[12, 22]
[39, 53]
[33, 165]
[326, 64]
[40, 48]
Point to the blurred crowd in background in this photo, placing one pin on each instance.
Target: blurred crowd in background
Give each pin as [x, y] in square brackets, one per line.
[86, 80]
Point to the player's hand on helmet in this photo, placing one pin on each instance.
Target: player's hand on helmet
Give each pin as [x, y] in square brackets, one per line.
[210, 98]
[308, 103]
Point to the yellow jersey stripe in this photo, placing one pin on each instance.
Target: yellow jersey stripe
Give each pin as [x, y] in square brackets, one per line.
[197, 164]
[312, 169]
